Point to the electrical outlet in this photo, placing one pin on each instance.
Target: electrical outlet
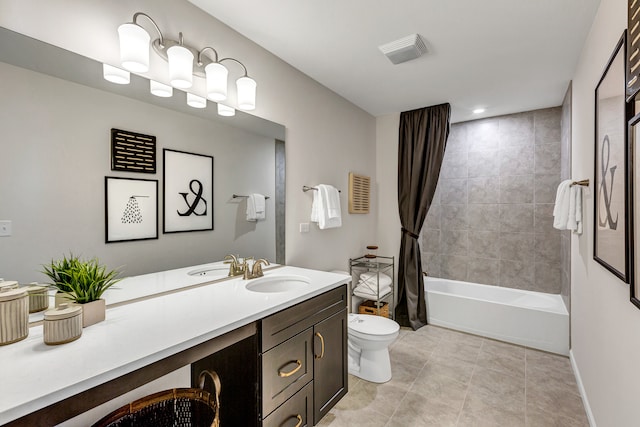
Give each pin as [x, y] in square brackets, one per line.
[5, 228]
[304, 227]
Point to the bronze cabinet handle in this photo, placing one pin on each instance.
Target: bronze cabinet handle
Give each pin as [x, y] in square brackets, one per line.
[297, 417]
[322, 346]
[288, 374]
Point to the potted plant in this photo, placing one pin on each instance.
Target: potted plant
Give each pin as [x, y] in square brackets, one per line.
[82, 282]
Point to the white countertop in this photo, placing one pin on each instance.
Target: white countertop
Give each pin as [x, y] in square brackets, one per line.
[34, 375]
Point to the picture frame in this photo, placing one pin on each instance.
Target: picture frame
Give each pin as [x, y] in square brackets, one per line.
[633, 130]
[187, 191]
[131, 209]
[611, 182]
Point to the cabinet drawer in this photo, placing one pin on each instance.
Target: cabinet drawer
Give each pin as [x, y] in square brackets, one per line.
[297, 410]
[287, 323]
[286, 369]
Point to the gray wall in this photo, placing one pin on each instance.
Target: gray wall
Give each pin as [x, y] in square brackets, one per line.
[491, 219]
[55, 155]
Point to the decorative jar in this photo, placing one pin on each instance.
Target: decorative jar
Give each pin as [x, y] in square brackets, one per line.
[14, 312]
[62, 324]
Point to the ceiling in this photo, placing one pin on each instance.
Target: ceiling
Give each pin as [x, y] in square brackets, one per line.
[503, 55]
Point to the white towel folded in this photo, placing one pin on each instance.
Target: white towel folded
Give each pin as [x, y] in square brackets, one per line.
[574, 222]
[372, 278]
[255, 207]
[366, 292]
[325, 209]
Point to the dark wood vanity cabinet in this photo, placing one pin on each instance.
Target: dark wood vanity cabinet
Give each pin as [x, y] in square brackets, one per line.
[304, 360]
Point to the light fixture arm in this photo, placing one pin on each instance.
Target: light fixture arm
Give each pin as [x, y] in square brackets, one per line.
[235, 60]
[201, 57]
[160, 38]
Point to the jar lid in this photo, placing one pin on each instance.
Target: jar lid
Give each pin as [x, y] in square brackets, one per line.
[10, 291]
[63, 311]
[33, 288]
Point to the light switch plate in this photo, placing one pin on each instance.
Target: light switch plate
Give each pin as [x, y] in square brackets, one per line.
[5, 228]
[304, 227]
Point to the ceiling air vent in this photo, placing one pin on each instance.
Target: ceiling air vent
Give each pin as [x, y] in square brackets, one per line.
[404, 49]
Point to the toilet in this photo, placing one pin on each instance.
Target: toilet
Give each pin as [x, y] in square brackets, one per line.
[369, 340]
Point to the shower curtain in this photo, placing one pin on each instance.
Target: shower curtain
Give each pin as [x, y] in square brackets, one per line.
[422, 139]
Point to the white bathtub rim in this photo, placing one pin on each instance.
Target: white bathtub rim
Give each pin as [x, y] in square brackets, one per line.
[559, 308]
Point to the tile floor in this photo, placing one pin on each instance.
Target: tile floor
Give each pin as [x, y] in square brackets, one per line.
[447, 378]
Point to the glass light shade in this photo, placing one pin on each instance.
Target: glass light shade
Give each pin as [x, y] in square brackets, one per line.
[196, 101]
[246, 93]
[134, 47]
[160, 89]
[180, 67]
[115, 75]
[216, 81]
[226, 111]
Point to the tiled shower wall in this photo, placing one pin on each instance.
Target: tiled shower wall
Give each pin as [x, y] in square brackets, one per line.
[491, 220]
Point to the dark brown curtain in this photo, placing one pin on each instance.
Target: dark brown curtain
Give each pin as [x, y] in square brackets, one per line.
[423, 137]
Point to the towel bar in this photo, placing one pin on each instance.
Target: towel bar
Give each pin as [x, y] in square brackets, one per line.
[584, 183]
[306, 188]
[238, 196]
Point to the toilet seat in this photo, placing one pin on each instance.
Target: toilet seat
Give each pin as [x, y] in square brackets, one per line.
[369, 324]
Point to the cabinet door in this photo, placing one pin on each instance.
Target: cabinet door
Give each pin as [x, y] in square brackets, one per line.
[329, 364]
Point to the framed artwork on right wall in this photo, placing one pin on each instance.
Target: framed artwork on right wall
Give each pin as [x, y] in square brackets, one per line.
[611, 237]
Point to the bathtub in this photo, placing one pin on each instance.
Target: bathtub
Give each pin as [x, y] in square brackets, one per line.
[531, 319]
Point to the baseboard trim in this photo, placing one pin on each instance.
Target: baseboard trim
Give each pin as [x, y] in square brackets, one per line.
[583, 393]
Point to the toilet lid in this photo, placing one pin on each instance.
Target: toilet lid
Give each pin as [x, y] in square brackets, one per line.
[372, 325]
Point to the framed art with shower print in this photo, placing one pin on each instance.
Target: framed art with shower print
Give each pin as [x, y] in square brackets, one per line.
[611, 219]
[188, 191]
[131, 209]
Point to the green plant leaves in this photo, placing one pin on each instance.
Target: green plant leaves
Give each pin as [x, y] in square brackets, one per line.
[83, 281]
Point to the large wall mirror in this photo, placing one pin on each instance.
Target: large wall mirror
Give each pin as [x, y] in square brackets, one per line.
[56, 117]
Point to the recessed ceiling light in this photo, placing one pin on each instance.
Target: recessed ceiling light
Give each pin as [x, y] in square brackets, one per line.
[478, 110]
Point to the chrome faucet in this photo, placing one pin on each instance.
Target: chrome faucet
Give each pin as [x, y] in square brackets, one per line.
[256, 271]
[235, 268]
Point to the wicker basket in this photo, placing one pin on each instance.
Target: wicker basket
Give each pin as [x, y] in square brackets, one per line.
[369, 307]
[178, 407]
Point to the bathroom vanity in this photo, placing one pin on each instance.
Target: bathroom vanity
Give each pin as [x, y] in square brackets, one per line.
[278, 342]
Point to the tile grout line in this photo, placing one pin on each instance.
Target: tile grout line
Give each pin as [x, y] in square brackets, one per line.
[475, 365]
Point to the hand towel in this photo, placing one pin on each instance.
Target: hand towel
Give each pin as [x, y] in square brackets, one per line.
[324, 220]
[561, 208]
[574, 222]
[255, 207]
[316, 207]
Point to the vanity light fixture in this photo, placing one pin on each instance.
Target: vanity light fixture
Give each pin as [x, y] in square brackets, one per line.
[184, 62]
[160, 89]
[196, 101]
[225, 110]
[115, 74]
[478, 111]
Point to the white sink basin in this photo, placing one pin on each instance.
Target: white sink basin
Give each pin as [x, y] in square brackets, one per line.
[274, 284]
[216, 270]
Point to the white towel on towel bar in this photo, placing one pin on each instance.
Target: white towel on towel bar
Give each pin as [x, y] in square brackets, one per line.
[567, 212]
[325, 199]
[255, 207]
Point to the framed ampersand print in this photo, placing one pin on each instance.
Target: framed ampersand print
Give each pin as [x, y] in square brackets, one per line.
[188, 191]
[610, 191]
